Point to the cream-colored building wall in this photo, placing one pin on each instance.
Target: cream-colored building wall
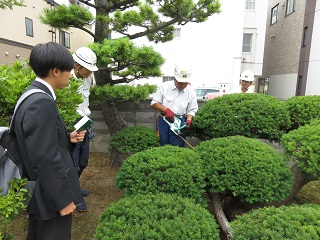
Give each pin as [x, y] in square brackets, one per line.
[14, 40]
[13, 23]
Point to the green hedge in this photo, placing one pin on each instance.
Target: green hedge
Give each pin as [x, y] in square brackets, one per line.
[302, 109]
[246, 168]
[134, 139]
[303, 144]
[16, 79]
[250, 115]
[156, 217]
[298, 222]
[168, 169]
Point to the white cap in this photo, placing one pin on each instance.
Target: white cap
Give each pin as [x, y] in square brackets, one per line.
[182, 74]
[86, 58]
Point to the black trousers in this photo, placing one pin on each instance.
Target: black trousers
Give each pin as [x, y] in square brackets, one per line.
[54, 229]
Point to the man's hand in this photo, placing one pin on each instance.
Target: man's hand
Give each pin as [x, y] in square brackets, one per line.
[68, 209]
[169, 114]
[188, 122]
[76, 137]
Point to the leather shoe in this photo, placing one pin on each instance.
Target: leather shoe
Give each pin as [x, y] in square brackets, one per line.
[82, 207]
[84, 192]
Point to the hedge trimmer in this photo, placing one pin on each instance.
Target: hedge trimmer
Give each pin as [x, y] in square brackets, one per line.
[176, 127]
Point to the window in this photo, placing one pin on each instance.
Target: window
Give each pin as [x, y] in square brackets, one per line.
[290, 6]
[177, 33]
[274, 14]
[64, 38]
[250, 4]
[304, 39]
[29, 27]
[167, 78]
[246, 42]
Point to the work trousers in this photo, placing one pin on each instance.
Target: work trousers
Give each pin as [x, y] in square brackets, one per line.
[80, 154]
[167, 136]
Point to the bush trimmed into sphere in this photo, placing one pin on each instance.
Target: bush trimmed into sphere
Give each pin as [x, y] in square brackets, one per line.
[302, 109]
[250, 115]
[303, 144]
[168, 169]
[299, 222]
[134, 139]
[160, 216]
[245, 168]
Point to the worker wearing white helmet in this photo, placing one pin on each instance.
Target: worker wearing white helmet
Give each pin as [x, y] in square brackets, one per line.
[246, 79]
[85, 64]
[175, 98]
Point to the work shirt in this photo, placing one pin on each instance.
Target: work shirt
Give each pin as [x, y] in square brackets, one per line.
[84, 90]
[180, 102]
[238, 90]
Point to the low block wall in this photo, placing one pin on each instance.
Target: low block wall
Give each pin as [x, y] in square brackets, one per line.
[134, 114]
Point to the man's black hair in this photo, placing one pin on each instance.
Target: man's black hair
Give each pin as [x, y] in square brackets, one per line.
[50, 55]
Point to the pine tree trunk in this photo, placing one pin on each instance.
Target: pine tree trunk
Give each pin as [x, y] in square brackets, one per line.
[220, 216]
[112, 117]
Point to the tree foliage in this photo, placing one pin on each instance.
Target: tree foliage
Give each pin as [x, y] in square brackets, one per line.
[303, 146]
[134, 139]
[285, 223]
[302, 109]
[156, 216]
[17, 78]
[168, 169]
[245, 168]
[251, 115]
[129, 19]
[11, 3]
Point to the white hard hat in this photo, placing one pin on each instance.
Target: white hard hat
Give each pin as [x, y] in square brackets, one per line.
[247, 75]
[86, 58]
[182, 74]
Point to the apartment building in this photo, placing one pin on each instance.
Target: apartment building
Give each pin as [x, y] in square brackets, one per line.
[21, 30]
[292, 53]
[254, 29]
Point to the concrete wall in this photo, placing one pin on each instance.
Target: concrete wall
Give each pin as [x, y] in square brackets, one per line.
[134, 114]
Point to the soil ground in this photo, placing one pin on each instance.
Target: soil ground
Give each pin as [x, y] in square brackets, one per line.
[99, 179]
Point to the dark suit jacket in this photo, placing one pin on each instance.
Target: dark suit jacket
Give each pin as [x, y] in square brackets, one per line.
[44, 142]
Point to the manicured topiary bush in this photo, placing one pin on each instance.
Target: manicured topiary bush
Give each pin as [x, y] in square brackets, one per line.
[303, 146]
[134, 139]
[168, 169]
[299, 222]
[302, 109]
[245, 168]
[160, 216]
[250, 115]
[130, 140]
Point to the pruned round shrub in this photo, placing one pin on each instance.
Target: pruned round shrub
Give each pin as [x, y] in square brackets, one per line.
[245, 168]
[168, 169]
[130, 140]
[299, 222]
[303, 144]
[134, 139]
[160, 216]
[250, 115]
[302, 109]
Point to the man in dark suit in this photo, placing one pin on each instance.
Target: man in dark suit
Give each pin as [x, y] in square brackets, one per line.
[45, 143]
